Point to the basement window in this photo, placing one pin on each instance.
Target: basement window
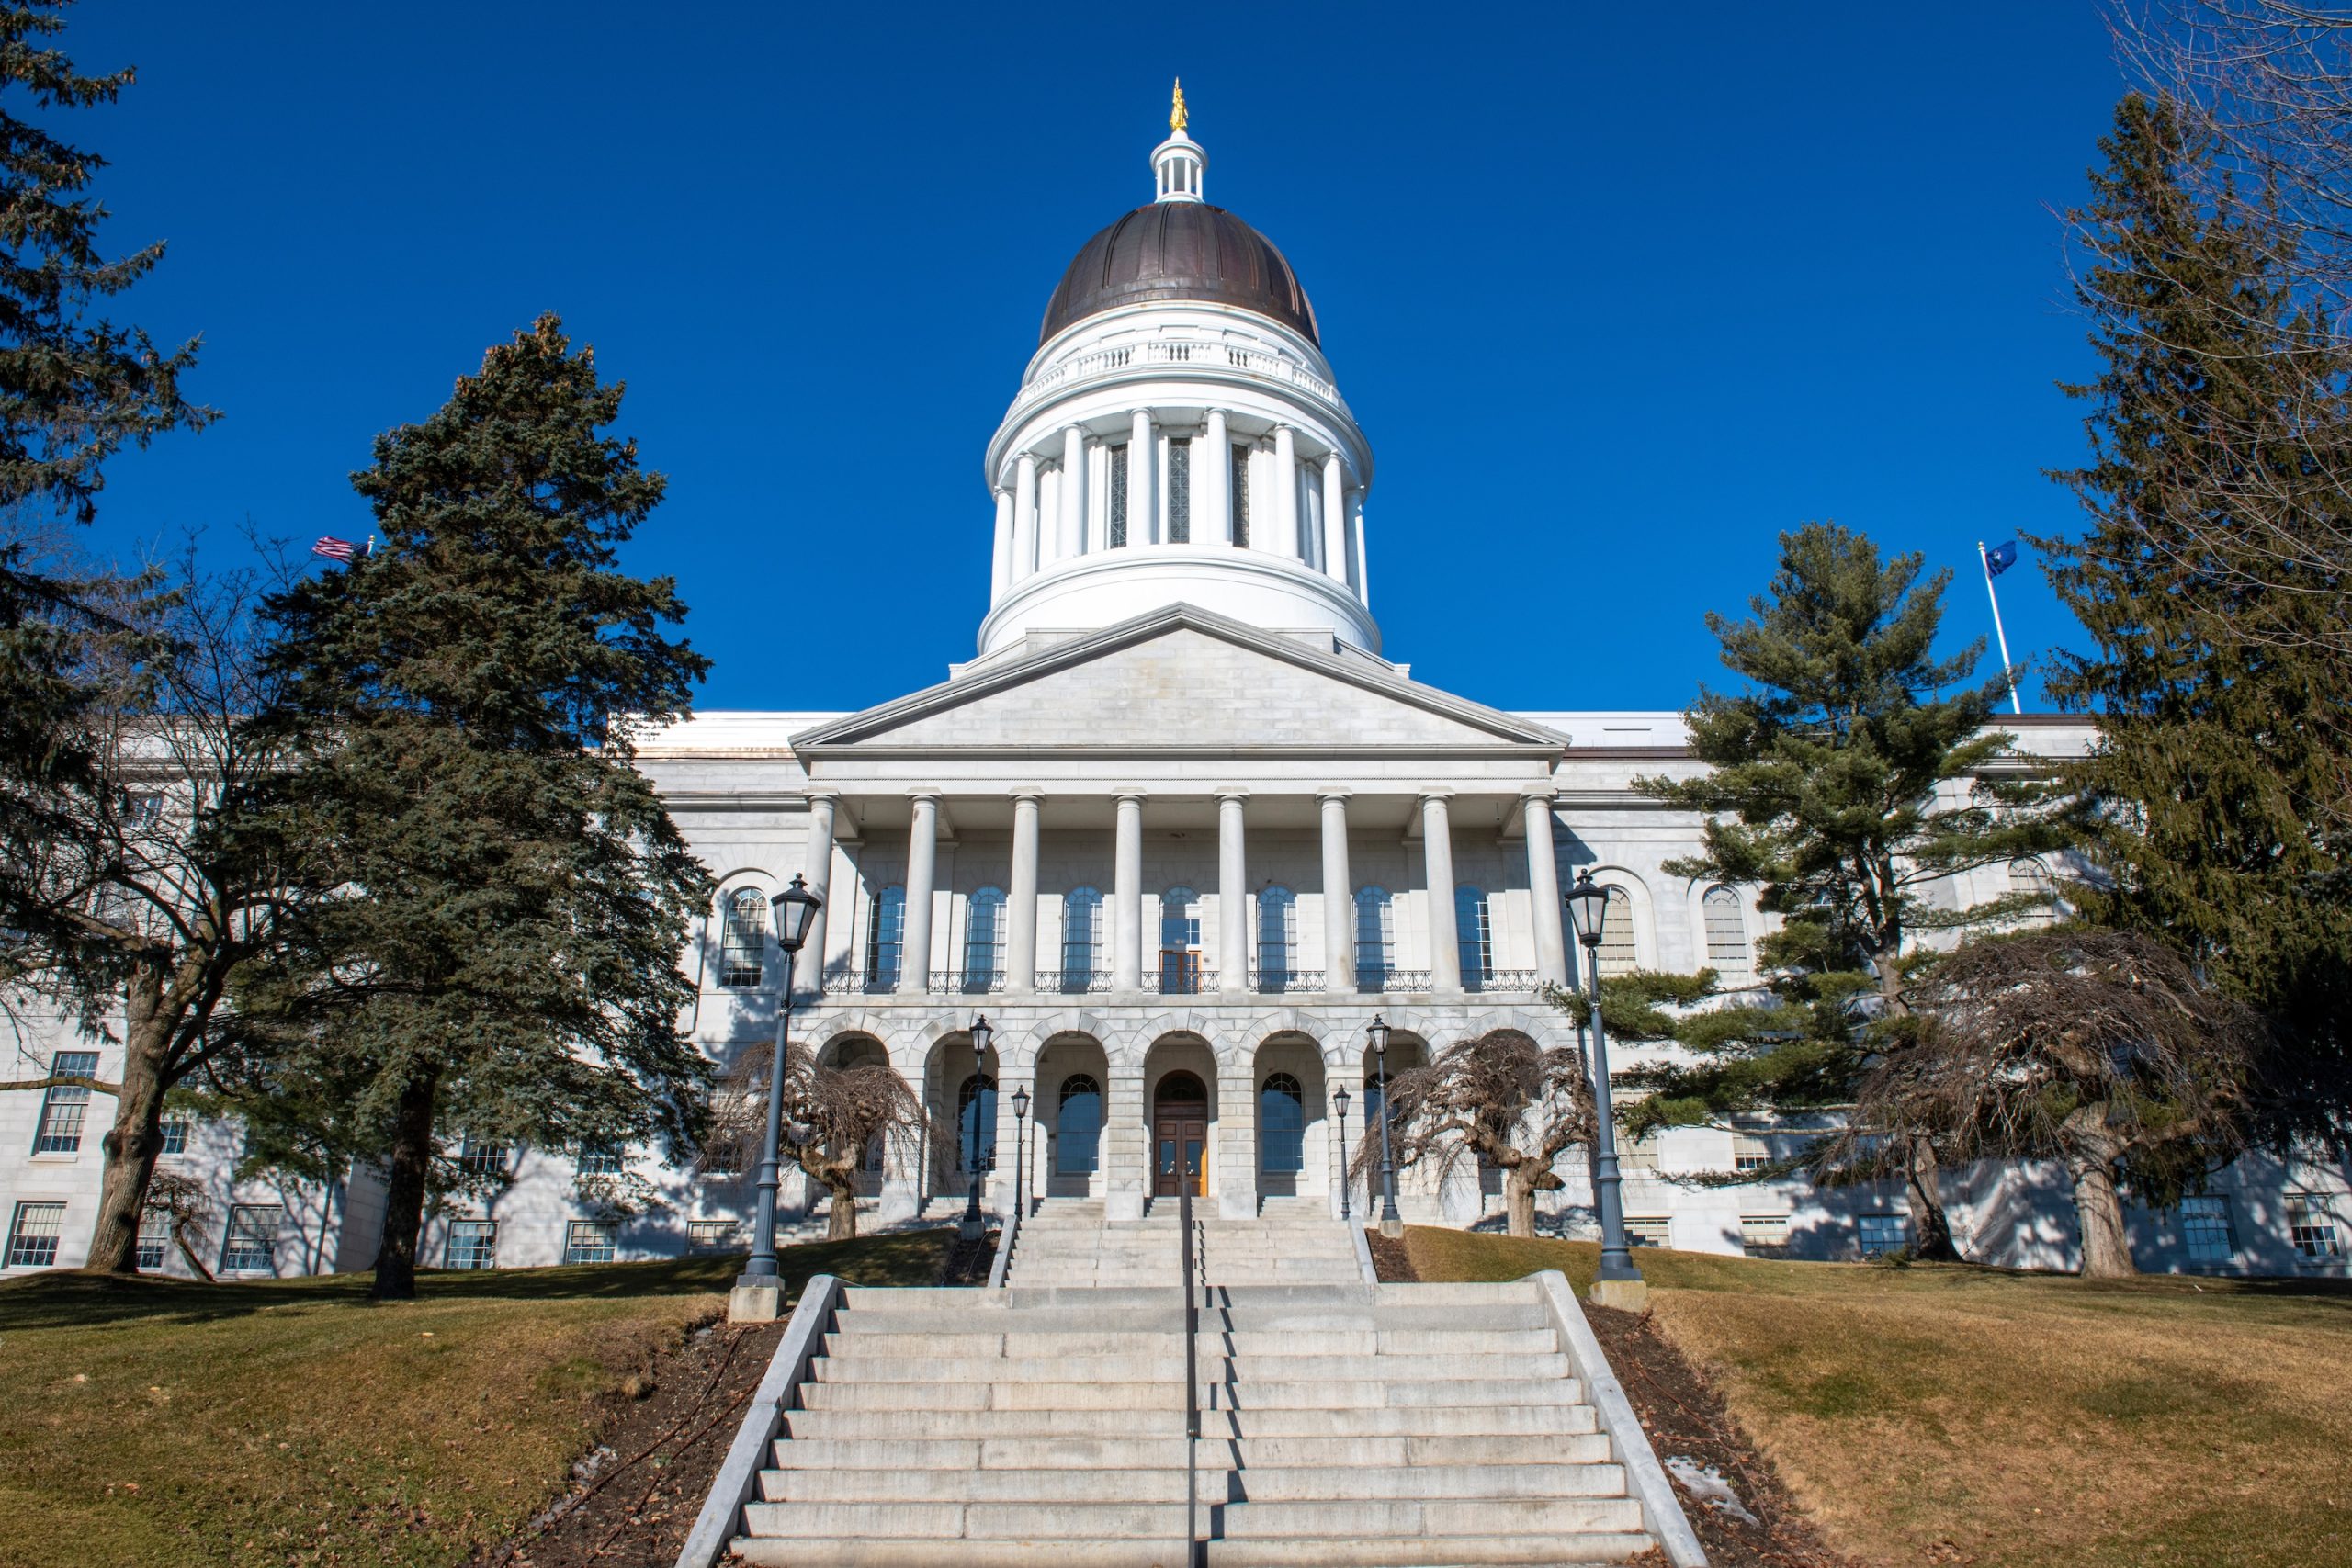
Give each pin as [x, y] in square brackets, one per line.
[1764, 1232]
[2314, 1230]
[2205, 1229]
[590, 1241]
[1648, 1230]
[1883, 1234]
[473, 1244]
[252, 1243]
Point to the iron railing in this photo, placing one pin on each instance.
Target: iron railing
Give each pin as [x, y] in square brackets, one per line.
[1286, 981]
[966, 982]
[1500, 980]
[1185, 980]
[1385, 978]
[1073, 982]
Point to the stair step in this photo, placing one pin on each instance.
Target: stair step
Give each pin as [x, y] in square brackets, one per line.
[979, 1521]
[1426, 1482]
[976, 1487]
[1361, 1518]
[1582, 1550]
[1071, 1453]
[1402, 1421]
[993, 1396]
[1265, 1394]
[856, 1422]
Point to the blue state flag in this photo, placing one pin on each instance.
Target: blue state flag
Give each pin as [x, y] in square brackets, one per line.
[2000, 557]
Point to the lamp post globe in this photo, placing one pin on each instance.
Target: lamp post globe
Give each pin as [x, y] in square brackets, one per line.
[1587, 904]
[760, 1286]
[1339, 1099]
[1392, 1223]
[983, 1102]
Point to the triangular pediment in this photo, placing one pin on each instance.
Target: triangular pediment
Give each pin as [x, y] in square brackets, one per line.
[1181, 679]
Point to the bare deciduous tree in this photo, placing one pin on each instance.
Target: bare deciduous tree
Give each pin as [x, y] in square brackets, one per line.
[831, 1118]
[2099, 1049]
[1499, 1098]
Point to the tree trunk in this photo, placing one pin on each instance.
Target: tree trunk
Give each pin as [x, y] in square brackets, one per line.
[1518, 1199]
[135, 1141]
[1930, 1227]
[411, 1163]
[2106, 1249]
[840, 1215]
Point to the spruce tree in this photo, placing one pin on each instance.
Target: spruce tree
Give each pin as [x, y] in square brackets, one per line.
[1849, 772]
[504, 963]
[2217, 421]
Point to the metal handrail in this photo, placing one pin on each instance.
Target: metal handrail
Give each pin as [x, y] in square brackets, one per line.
[1191, 1370]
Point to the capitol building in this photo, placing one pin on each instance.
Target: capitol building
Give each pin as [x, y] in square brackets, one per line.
[1179, 829]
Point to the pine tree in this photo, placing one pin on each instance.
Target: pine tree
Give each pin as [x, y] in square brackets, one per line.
[1839, 782]
[2217, 425]
[505, 963]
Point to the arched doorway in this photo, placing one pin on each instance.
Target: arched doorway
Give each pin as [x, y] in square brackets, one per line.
[1180, 1135]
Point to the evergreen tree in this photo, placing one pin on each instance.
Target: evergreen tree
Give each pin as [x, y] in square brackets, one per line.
[504, 963]
[1839, 782]
[2217, 421]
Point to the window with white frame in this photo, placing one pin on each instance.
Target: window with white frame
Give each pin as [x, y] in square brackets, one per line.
[743, 938]
[1750, 1151]
[1115, 513]
[1277, 935]
[1473, 934]
[712, 1236]
[176, 1124]
[1241, 495]
[2029, 877]
[1727, 933]
[64, 1108]
[1648, 1230]
[1375, 938]
[1763, 1233]
[1637, 1155]
[473, 1244]
[1179, 492]
[600, 1159]
[886, 938]
[154, 1238]
[484, 1156]
[251, 1245]
[1082, 938]
[32, 1235]
[1881, 1234]
[984, 936]
[590, 1241]
[1619, 953]
[1282, 1127]
[2312, 1228]
[2206, 1230]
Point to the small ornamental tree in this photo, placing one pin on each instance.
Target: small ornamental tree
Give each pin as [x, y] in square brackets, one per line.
[502, 961]
[831, 1118]
[1499, 1098]
[2099, 1049]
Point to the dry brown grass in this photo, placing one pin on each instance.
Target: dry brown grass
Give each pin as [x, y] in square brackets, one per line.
[1956, 1414]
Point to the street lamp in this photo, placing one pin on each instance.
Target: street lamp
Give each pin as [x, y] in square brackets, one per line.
[1587, 904]
[973, 1227]
[1339, 1098]
[1020, 1151]
[1392, 1223]
[795, 907]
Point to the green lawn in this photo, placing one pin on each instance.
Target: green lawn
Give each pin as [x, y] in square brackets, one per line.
[1960, 1414]
[159, 1422]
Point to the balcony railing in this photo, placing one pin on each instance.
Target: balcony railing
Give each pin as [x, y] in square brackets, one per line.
[1203, 351]
[1286, 981]
[1500, 980]
[1375, 979]
[1183, 979]
[1073, 982]
[966, 982]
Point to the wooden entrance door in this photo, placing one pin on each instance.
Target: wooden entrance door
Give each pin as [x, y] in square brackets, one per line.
[1180, 1136]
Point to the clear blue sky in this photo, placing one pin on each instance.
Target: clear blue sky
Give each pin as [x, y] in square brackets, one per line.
[1618, 293]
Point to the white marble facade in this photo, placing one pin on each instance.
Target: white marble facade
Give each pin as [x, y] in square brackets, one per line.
[1177, 817]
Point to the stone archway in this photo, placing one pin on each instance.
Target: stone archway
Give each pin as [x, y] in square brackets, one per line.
[1289, 1103]
[1185, 1063]
[1072, 1113]
[1407, 1050]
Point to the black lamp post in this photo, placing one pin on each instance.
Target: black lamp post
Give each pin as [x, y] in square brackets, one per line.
[1020, 1151]
[983, 1094]
[1587, 904]
[1392, 1223]
[1339, 1098]
[795, 907]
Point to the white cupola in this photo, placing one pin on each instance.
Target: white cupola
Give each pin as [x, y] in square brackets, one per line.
[1178, 437]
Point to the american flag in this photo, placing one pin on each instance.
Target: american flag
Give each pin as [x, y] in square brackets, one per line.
[341, 550]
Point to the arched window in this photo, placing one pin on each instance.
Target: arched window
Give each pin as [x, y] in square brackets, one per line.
[1727, 933]
[1473, 934]
[976, 1124]
[1082, 939]
[1375, 938]
[743, 937]
[1180, 942]
[1281, 1127]
[885, 938]
[984, 940]
[1277, 937]
[2030, 877]
[1078, 1146]
[1619, 952]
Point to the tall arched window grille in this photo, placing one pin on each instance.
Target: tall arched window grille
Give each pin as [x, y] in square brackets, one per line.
[1277, 935]
[1082, 938]
[1180, 942]
[1078, 1128]
[1375, 938]
[976, 1124]
[1281, 1127]
[984, 940]
[886, 938]
[2030, 876]
[1473, 934]
[1727, 933]
[743, 937]
[1620, 954]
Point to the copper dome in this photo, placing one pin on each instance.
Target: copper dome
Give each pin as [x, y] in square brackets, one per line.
[1180, 250]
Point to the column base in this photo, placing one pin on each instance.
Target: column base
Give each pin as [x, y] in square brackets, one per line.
[1237, 1205]
[1124, 1207]
[756, 1300]
[1624, 1295]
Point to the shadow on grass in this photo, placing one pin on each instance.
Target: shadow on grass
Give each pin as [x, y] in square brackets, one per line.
[72, 1299]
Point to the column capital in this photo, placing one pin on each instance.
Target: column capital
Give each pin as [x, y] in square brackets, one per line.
[1131, 792]
[1548, 793]
[1333, 792]
[1229, 791]
[1435, 792]
[829, 796]
[1024, 792]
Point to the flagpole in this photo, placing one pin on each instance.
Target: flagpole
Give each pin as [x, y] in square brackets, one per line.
[1986, 562]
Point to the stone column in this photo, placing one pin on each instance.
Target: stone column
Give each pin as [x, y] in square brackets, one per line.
[1232, 895]
[1437, 859]
[1335, 517]
[1363, 581]
[1000, 555]
[808, 967]
[1237, 1133]
[1071, 523]
[1021, 896]
[1126, 1143]
[1126, 895]
[1024, 516]
[1212, 482]
[1338, 895]
[922, 860]
[1283, 525]
[1143, 482]
[1544, 888]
